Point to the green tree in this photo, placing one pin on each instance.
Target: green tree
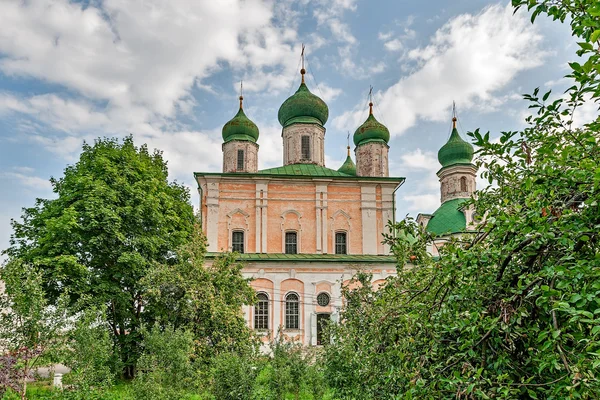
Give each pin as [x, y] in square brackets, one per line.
[205, 299]
[30, 328]
[115, 216]
[513, 310]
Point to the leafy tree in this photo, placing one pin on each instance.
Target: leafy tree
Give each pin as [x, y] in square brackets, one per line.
[30, 327]
[206, 300]
[114, 216]
[165, 367]
[513, 310]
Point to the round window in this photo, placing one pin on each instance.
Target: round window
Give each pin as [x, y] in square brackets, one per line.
[323, 299]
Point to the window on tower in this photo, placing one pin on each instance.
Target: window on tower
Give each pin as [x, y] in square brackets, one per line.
[237, 241]
[341, 246]
[291, 243]
[463, 184]
[240, 160]
[305, 147]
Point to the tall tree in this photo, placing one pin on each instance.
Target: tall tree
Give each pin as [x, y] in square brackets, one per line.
[513, 310]
[115, 215]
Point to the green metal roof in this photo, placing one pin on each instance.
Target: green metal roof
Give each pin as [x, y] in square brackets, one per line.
[348, 167]
[302, 171]
[303, 106]
[345, 258]
[455, 151]
[371, 130]
[448, 218]
[240, 127]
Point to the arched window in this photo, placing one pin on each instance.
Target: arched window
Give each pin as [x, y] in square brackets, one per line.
[237, 241]
[291, 243]
[292, 311]
[261, 312]
[341, 244]
[240, 160]
[463, 184]
[305, 145]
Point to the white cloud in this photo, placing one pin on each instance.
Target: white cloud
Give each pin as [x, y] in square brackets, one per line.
[420, 160]
[468, 59]
[393, 45]
[422, 202]
[28, 180]
[141, 54]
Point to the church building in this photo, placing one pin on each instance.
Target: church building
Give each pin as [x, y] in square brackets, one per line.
[302, 229]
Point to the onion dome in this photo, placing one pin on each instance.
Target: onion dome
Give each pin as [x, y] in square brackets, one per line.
[371, 130]
[348, 167]
[240, 127]
[303, 107]
[456, 150]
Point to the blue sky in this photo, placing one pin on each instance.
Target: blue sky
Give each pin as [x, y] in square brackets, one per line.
[168, 72]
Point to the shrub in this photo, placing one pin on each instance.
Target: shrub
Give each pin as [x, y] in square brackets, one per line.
[233, 377]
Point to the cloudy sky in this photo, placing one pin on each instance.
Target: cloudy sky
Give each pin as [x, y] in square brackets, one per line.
[168, 72]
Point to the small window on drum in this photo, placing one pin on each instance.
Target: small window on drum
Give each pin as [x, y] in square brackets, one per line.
[323, 299]
[240, 160]
[305, 147]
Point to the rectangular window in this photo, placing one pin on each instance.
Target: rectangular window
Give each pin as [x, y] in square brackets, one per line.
[261, 312]
[237, 241]
[340, 243]
[240, 160]
[306, 147]
[292, 311]
[291, 243]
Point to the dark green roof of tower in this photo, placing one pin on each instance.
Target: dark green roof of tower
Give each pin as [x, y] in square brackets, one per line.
[303, 107]
[371, 130]
[456, 150]
[348, 167]
[448, 218]
[240, 127]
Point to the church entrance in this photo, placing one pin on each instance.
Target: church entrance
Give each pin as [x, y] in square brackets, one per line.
[322, 323]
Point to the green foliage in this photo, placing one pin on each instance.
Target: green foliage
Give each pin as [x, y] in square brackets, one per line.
[89, 353]
[510, 311]
[30, 328]
[207, 300]
[232, 377]
[165, 368]
[114, 217]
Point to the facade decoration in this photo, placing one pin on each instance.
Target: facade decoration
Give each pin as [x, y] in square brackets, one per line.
[302, 229]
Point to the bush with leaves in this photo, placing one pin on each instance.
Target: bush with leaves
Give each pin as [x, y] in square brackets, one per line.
[30, 328]
[165, 369]
[233, 376]
[89, 353]
[512, 310]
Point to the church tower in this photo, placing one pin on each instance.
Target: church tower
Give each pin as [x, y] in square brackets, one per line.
[458, 174]
[457, 184]
[240, 151]
[303, 116]
[371, 140]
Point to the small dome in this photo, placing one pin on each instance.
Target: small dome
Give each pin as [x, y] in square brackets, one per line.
[240, 127]
[348, 167]
[371, 130]
[303, 106]
[455, 151]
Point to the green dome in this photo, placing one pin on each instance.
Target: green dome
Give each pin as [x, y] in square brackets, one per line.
[455, 151]
[303, 107]
[348, 166]
[371, 130]
[448, 218]
[240, 127]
